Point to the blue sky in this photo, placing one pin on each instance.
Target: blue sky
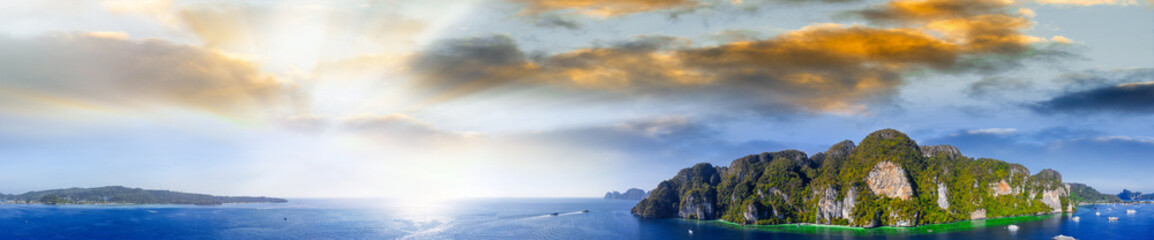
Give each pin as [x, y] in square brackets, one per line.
[525, 98]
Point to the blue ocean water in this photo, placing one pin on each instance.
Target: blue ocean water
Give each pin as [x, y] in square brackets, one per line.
[479, 219]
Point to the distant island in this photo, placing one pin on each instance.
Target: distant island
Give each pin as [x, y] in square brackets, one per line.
[1082, 193]
[124, 195]
[889, 180]
[631, 194]
[1127, 195]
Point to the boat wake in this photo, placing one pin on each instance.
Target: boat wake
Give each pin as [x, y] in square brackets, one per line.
[543, 215]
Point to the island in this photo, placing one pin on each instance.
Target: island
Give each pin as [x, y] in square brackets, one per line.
[888, 180]
[1081, 193]
[124, 195]
[1127, 195]
[631, 194]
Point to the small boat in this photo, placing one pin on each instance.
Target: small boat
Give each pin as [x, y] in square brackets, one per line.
[1097, 213]
[585, 211]
[1012, 227]
[690, 231]
[1077, 219]
[553, 214]
[1112, 219]
[1131, 211]
[1064, 237]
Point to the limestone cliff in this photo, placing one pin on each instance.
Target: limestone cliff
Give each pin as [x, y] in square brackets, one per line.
[887, 180]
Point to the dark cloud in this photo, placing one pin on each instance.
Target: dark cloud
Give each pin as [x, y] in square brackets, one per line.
[821, 68]
[1123, 98]
[1096, 91]
[462, 66]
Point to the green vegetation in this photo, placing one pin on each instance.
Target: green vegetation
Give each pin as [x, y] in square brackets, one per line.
[123, 195]
[1080, 193]
[884, 231]
[789, 187]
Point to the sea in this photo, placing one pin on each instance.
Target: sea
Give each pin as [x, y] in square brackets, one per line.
[545, 218]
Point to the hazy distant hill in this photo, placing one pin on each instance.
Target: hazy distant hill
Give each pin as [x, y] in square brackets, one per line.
[1082, 193]
[124, 195]
[631, 194]
[1127, 195]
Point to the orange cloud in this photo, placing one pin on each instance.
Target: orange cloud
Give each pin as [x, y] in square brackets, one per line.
[1089, 2]
[603, 8]
[824, 67]
[117, 72]
[921, 11]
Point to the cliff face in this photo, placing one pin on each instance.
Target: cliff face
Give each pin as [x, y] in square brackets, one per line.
[887, 180]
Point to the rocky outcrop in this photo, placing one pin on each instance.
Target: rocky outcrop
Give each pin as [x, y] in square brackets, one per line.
[933, 150]
[1053, 199]
[943, 196]
[978, 214]
[697, 205]
[828, 207]
[889, 179]
[631, 194]
[848, 204]
[1002, 188]
[903, 221]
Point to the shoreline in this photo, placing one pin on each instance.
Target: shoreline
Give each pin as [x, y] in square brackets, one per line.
[128, 204]
[813, 228]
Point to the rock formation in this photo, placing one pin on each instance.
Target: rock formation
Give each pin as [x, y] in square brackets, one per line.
[887, 180]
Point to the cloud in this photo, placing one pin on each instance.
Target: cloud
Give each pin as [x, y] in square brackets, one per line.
[993, 131]
[1097, 91]
[603, 8]
[109, 70]
[981, 25]
[1122, 98]
[825, 67]
[995, 86]
[1092, 79]
[396, 128]
[1088, 2]
[557, 21]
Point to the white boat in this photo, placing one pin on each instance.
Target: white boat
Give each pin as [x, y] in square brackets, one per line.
[1097, 213]
[1064, 237]
[690, 231]
[1012, 227]
[1131, 211]
[1112, 219]
[1077, 219]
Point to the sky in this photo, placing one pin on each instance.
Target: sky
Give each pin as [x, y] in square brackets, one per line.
[439, 99]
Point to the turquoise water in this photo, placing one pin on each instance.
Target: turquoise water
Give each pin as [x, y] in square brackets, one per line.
[493, 219]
